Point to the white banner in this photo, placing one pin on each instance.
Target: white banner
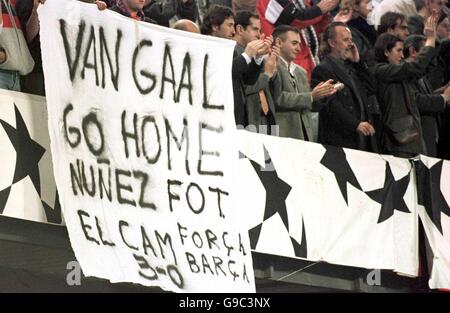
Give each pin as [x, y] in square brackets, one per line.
[329, 204]
[27, 186]
[139, 119]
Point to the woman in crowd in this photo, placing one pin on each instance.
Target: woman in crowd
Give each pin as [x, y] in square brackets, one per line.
[400, 103]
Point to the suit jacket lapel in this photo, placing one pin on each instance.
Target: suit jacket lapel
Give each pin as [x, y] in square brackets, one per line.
[284, 71]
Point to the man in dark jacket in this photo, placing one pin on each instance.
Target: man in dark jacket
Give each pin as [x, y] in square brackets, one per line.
[258, 102]
[345, 120]
[247, 61]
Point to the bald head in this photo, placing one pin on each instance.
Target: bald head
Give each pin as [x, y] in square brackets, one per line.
[187, 25]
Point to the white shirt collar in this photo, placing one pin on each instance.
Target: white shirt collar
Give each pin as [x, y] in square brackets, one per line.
[290, 66]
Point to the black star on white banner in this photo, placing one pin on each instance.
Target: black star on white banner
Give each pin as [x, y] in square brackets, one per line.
[390, 196]
[277, 191]
[28, 151]
[430, 193]
[28, 155]
[335, 160]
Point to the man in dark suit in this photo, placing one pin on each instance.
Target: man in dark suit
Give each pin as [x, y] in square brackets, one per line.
[247, 61]
[345, 120]
[258, 102]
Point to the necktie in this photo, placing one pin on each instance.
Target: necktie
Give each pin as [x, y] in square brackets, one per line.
[263, 102]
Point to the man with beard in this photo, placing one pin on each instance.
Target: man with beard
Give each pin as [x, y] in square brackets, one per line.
[345, 120]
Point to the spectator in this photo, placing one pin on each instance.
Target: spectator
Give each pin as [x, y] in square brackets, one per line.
[258, 102]
[345, 121]
[218, 22]
[429, 120]
[395, 24]
[402, 132]
[290, 88]
[247, 62]
[247, 28]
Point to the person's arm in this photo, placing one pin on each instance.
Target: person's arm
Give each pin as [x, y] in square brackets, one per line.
[284, 12]
[392, 72]
[270, 69]
[407, 70]
[245, 66]
[430, 103]
[291, 13]
[32, 25]
[298, 101]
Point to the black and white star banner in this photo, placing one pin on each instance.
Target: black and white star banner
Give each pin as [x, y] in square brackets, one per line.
[325, 203]
[27, 186]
